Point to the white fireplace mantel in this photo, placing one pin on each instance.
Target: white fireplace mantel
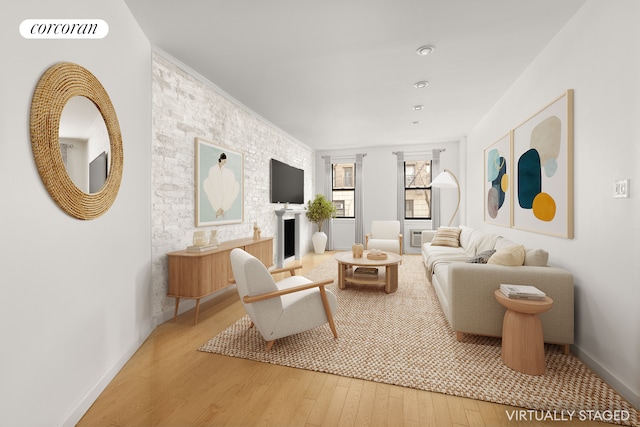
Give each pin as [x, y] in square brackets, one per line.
[283, 214]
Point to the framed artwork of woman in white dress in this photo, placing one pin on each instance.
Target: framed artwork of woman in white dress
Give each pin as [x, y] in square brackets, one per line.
[219, 184]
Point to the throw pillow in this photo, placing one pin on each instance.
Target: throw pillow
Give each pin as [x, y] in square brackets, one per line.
[511, 256]
[536, 257]
[447, 236]
[482, 257]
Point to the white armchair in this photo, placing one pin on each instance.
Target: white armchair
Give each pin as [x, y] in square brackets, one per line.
[279, 309]
[385, 235]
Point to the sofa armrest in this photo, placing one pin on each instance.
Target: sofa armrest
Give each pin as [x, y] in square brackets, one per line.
[427, 236]
[473, 285]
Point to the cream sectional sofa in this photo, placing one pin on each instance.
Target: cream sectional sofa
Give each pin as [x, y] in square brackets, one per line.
[466, 289]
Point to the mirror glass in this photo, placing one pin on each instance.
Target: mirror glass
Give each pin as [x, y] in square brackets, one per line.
[84, 144]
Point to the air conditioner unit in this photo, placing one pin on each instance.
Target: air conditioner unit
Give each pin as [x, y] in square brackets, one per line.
[416, 238]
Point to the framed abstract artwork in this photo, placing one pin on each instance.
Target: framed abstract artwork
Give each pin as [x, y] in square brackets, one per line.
[543, 175]
[498, 168]
[219, 174]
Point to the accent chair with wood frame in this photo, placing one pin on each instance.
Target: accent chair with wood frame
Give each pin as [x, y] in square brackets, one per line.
[278, 309]
[385, 235]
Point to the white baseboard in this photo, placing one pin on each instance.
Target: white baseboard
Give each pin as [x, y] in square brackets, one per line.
[625, 390]
[85, 402]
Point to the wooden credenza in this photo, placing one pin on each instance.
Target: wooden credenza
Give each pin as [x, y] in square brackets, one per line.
[194, 275]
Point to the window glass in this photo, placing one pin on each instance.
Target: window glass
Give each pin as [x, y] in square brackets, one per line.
[417, 189]
[343, 192]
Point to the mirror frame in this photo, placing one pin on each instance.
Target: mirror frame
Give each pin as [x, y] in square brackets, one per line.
[57, 85]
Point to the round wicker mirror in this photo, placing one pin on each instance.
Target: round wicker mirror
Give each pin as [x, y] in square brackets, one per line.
[57, 85]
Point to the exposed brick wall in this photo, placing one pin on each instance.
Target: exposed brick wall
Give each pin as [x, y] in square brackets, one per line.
[185, 107]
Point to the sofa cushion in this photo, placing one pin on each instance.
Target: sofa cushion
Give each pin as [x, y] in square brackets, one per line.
[442, 254]
[466, 236]
[447, 236]
[536, 257]
[511, 256]
[482, 257]
[484, 242]
[503, 242]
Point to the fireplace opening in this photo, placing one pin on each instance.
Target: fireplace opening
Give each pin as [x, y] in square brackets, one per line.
[289, 237]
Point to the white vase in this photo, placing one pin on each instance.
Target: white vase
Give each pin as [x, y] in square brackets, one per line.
[319, 240]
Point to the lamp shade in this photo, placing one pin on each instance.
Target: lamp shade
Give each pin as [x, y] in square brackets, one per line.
[445, 179]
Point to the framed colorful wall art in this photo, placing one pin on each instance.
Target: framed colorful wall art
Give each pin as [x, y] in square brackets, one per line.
[498, 169]
[543, 176]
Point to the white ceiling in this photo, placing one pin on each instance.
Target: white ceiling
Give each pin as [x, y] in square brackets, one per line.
[340, 73]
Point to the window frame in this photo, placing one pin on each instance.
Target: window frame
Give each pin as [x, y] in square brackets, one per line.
[343, 189]
[426, 188]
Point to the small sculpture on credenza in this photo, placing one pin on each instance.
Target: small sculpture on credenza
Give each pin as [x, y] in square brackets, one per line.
[200, 238]
[213, 239]
[203, 241]
[256, 231]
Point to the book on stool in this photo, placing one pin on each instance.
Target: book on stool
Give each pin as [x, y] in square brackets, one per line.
[522, 292]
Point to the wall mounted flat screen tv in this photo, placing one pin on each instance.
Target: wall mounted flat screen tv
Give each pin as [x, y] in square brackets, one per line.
[287, 183]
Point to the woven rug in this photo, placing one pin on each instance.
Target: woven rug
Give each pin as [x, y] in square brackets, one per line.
[404, 339]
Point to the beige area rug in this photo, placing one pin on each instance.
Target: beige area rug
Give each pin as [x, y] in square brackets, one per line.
[404, 339]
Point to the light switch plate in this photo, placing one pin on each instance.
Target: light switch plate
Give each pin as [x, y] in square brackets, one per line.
[621, 189]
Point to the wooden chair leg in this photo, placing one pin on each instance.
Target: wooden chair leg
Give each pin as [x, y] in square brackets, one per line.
[251, 325]
[269, 345]
[327, 310]
[459, 335]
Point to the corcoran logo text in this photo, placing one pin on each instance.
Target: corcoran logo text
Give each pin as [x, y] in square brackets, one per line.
[64, 29]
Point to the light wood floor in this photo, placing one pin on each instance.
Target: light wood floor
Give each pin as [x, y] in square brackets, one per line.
[169, 383]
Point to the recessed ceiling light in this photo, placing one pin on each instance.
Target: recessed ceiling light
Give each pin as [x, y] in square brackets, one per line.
[415, 123]
[425, 50]
[421, 84]
[418, 107]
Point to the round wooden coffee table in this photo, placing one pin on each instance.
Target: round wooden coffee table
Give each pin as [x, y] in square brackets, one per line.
[388, 276]
[522, 339]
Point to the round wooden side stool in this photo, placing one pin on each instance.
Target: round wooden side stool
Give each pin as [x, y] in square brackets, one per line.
[522, 338]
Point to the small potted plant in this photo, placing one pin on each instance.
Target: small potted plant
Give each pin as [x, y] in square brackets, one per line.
[319, 210]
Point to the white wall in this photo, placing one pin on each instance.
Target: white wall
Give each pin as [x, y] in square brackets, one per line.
[76, 294]
[379, 170]
[596, 54]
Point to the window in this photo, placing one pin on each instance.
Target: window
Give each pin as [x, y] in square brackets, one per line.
[344, 189]
[417, 189]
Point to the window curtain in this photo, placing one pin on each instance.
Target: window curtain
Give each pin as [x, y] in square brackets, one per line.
[400, 190]
[359, 201]
[435, 192]
[328, 193]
